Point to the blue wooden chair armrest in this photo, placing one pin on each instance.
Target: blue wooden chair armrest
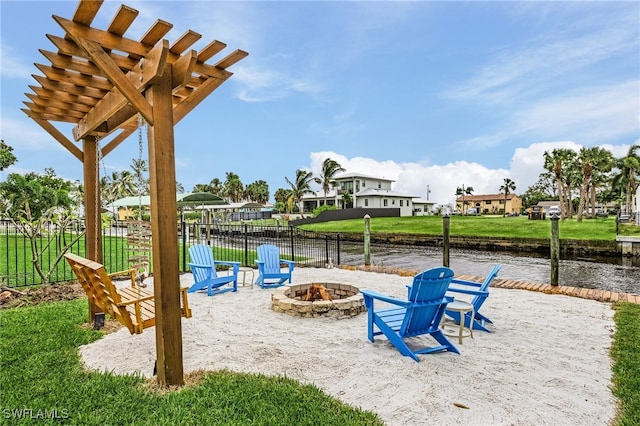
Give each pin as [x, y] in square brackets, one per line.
[375, 295]
[471, 292]
[226, 262]
[288, 262]
[196, 265]
[465, 282]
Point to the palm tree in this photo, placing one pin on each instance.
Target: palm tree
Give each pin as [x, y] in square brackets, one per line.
[347, 200]
[118, 185]
[216, 187]
[329, 169]
[592, 160]
[462, 191]
[629, 177]
[201, 187]
[233, 187]
[558, 162]
[257, 191]
[300, 187]
[139, 167]
[506, 188]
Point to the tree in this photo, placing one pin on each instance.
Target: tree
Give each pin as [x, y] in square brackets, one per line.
[118, 185]
[6, 156]
[233, 188]
[281, 196]
[299, 188]
[201, 187]
[628, 178]
[216, 186]
[257, 192]
[141, 182]
[40, 205]
[462, 191]
[558, 162]
[329, 169]
[592, 161]
[36, 193]
[506, 188]
[347, 200]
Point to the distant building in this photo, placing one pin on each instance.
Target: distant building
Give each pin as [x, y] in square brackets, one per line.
[353, 190]
[490, 203]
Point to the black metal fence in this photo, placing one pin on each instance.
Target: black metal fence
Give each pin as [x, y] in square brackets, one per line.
[235, 242]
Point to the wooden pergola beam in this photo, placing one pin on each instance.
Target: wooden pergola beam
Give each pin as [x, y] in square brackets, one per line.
[102, 82]
[115, 100]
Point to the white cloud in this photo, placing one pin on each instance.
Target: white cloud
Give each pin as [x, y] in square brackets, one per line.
[590, 116]
[12, 67]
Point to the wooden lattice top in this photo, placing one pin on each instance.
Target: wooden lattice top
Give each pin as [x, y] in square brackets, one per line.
[97, 78]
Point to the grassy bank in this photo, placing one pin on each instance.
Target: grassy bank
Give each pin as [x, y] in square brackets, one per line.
[626, 367]
[602, 229]
[41, 378]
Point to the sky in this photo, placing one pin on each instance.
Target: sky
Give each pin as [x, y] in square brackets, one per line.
[432, 94]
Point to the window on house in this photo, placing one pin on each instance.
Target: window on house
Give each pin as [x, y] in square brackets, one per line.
[364, 183]
[488, 202]
[393, 202]
[379, 185]
[366, 202]
[401, 203]
[385, 202]
[501, 202]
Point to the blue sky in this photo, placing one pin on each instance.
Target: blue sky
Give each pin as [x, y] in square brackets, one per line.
[436, 94]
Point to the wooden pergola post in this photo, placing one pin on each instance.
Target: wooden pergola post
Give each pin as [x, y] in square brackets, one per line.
[164, 221]
[92, 209]
[101, 81]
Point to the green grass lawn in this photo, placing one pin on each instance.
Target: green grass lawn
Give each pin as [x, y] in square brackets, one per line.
[40, 371]
[626, 367]
[41, 375]
[487, 226]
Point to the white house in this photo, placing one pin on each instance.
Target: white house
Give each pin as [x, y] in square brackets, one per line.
[357, 190]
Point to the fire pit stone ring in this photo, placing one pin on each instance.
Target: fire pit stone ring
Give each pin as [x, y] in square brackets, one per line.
[345, 301]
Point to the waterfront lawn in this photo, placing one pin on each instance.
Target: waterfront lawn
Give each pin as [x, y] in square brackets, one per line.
[626, 367]
[41, 375]
[603, 229]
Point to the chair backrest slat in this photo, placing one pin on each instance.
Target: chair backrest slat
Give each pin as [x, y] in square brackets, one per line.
[202, 255]
[428, 286]
[270, 255]
[477, 301]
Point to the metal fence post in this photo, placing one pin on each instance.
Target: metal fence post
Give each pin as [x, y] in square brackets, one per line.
[293, 252]
[246, 246]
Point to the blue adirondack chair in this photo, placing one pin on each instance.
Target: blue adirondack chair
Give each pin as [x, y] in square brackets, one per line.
[420, 314]
[270, 274]
[480, 292]
[203, 267]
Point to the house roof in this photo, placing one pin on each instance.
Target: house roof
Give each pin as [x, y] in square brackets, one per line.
[188, 199]
[234, 206]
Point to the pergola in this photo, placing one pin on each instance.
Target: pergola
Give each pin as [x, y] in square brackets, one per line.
[101, 82]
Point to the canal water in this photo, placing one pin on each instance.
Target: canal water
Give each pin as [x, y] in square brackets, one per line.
[575, 273]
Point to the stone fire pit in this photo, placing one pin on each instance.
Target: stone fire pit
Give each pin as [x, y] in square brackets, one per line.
[346, 300]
